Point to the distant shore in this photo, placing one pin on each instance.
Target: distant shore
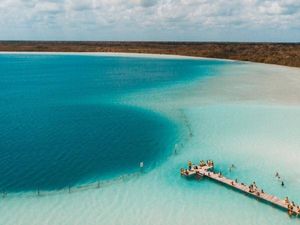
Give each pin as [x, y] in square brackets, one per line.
[287, 54]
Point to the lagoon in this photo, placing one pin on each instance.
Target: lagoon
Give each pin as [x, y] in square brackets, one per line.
[234, 116]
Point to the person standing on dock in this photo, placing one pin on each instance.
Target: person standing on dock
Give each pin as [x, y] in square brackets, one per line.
[287, 201]
[190, 165]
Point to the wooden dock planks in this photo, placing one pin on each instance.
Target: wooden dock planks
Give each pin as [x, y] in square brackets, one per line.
[206, 170]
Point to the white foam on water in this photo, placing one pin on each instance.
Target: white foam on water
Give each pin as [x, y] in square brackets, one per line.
[249, 116]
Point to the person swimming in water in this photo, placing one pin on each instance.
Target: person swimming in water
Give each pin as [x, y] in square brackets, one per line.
[277, 175]
[231, 167]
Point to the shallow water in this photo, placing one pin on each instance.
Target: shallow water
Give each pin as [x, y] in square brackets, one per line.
[259, 135]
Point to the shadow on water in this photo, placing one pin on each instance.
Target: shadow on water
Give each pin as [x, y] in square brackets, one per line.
[75, 144]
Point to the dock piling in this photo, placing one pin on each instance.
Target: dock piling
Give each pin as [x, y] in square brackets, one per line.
[141, 166]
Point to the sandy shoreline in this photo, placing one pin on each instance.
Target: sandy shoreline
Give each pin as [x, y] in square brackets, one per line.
[287, 54]
[118, 54]
[143, 55]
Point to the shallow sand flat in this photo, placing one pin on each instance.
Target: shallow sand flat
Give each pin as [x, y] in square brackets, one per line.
[259, 83]
[257, 147]
[246, 82]
[237, 117]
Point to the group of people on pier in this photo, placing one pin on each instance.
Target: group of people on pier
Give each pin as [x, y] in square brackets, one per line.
[202, 163]
[191, 166]
[291, 206]
[253, 189]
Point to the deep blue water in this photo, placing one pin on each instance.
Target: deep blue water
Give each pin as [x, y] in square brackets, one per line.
[50, 138]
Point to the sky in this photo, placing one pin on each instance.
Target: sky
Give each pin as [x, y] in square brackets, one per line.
[151, 20]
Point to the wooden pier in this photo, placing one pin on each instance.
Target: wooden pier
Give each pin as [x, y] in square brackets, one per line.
[206, 169]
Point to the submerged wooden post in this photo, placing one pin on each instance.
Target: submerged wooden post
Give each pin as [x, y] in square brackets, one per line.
[175, 149]
[142, 166]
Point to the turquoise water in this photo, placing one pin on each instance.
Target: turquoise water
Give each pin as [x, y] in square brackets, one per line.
[52, 137]
[231, 110]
